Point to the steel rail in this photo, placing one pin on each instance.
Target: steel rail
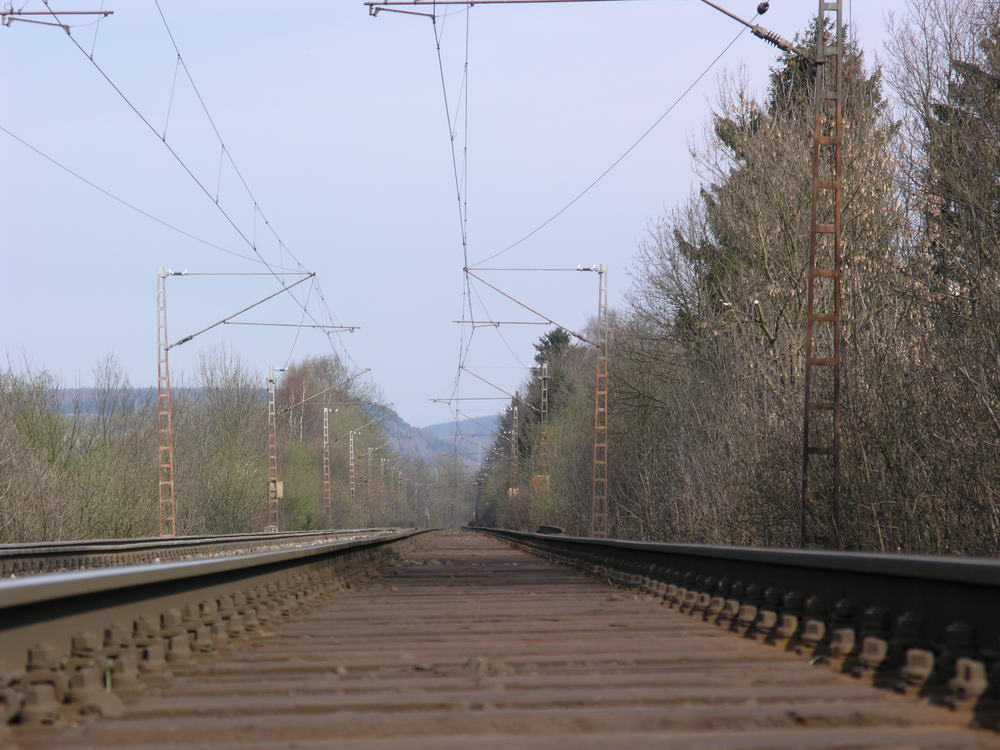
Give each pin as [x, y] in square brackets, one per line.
[918, 623]
[67, 639]
[179, 541]
[33, 558]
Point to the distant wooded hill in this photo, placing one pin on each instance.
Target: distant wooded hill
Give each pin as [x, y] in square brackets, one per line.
[425, 443]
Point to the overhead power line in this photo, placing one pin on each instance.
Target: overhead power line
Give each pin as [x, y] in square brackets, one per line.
[124, 202]
[250, 241]
[635, 144]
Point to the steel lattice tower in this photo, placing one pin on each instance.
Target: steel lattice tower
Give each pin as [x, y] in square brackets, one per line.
[540, 482]
[327, 492]
[819, 500]
[350, 464]
[599, 484]
[164, 412]
[273, 492]
[515, 458]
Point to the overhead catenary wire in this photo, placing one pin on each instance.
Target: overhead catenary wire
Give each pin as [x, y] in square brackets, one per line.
[127, 204]
[461, 183]
[97, 29]
[468, 287]
[499, 332]
[170, 103]
[302, 318]
[222, 144]
[563, 209]
[169, 148]
[226, 155]
[621, 158]
[177, 157]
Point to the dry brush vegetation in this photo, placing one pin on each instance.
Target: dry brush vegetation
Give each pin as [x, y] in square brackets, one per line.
[82, 464]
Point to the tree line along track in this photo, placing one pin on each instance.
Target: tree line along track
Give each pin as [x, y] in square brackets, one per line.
[463, 641]
[53, 557]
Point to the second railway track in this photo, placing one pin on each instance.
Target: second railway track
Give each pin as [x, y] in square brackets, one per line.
[467, 642]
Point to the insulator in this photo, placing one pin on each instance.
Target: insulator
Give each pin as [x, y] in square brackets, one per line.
[771, 38]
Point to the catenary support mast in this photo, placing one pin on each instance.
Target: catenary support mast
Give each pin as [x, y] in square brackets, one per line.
[819, 506]
[599, 484]
[273, 486]
[327, 490]
[368, 476]
[350, 466]
[540, 481]
[515, 457]
[164, 412]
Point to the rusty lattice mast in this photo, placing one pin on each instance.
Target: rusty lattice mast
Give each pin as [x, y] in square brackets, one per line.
[327, 490]
[368, 479]
[599, 483]
[352, 486]
[273, 485]
[540, 481]
[819, 503]
[164, 412]
[515, 457]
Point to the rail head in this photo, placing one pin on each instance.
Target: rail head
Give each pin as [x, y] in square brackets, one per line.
[52, 587]
[958, 570]
[90, 546]
[46, 557]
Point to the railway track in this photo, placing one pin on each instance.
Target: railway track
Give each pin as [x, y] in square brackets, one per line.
[53, 557]
[465, 640]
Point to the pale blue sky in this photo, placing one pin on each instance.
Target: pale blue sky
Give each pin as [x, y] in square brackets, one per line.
[336, 121]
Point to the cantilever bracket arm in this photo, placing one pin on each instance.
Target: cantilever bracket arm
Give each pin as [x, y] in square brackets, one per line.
[240, 312]
[529, 309]
[8, 15]
[341, 384]
[376, 6]
[356, 430]
[468, 398]
[514, 396]
[330, 328]
[374, 10]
